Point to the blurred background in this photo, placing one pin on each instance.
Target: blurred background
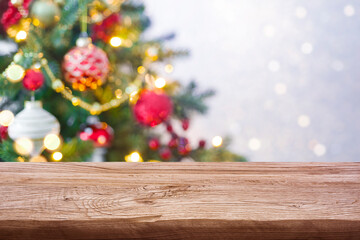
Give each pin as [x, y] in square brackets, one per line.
[285, 72]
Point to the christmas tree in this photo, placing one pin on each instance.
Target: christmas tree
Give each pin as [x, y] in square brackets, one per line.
[93, 87]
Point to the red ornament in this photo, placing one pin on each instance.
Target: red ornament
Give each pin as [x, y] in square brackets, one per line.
[152, 108]
[3, 133]
[12, 15]
[107, 28]
[202, 144]
[100, 133]
[154, 144]
[33, 80]
[86, 67]
[185, 124]
[165, 154]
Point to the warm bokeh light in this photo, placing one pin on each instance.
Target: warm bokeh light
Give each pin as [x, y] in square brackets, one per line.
[52, 142]
[160, 83]
[57, 156]
[38, 159]
[134, 157]
[115, 42]
[23, 146]
[6, 118]
[254, 144]
[141, 69]
[169, 68]
[20, 36]
[217, 141]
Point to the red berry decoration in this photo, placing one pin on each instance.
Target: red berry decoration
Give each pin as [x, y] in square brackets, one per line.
[154, 144]
[202, 144]
[100, 133]
[185, 124]
[3, 133]
[33, 80]
[184, 147]
[86, 66]
[169, 128]
[165, 154]
[173, 143]
[152, 108]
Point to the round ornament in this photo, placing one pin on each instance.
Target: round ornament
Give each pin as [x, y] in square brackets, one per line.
[15, 73]
[152, 108]
[100, 133]
[33, 80]
[107, 28]
[46, 12]
[34, 124]
[85, 66]
[12, 14]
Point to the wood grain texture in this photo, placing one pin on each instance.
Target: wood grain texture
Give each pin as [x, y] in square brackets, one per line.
[180, 201]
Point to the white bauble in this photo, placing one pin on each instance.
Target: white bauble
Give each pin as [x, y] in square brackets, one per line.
[33, 123]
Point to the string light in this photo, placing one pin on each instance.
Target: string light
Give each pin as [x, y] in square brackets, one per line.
[134, 157]
[160, 83]
[304, 121]
[38, 159]
[52, 141]
[217, 141]
[57, 156]
[6, 118]
[115, 41]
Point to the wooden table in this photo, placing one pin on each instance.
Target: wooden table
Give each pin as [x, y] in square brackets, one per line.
[179, 201]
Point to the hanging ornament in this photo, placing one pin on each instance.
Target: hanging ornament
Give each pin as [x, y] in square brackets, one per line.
[3, 133]
[33, 80]
[99, 133]
[106, 29]
[86, 66]
[152, 108]
[31, 126]
[45, 13]
[15, 73]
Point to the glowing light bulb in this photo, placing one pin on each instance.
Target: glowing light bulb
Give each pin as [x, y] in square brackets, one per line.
[320, 150]
[115, 41]
[20, 36]
[57, 156]
[23, 146]
[6, 118]
[134, 157]
[52, 142]
[217, 141]
[160, 83]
